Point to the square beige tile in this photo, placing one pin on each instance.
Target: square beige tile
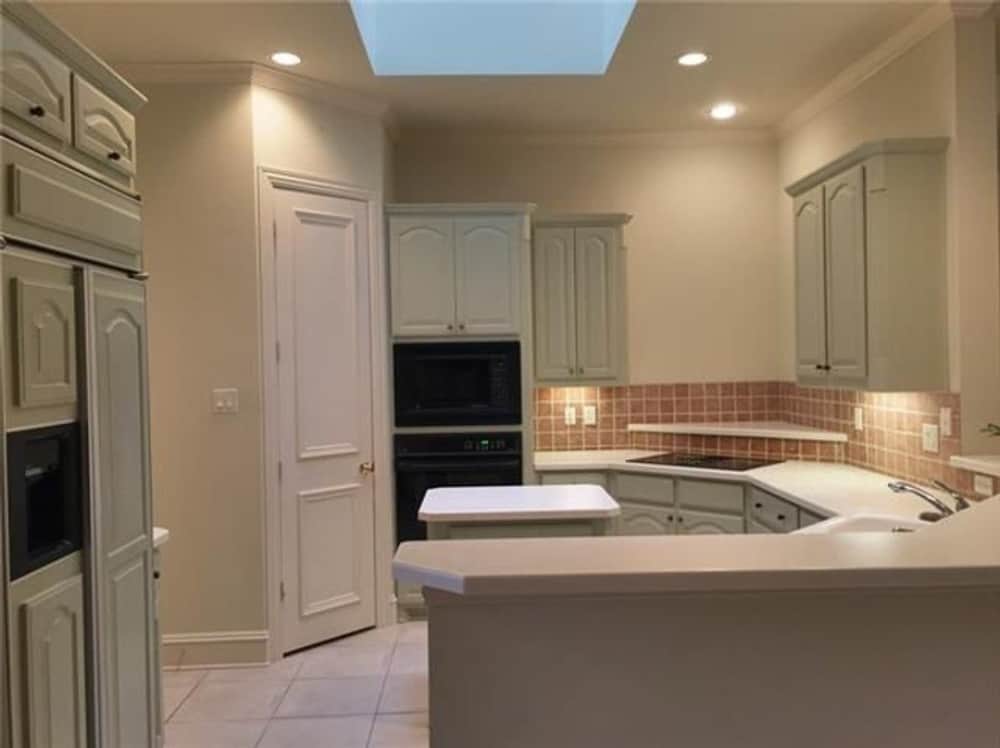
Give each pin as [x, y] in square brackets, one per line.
[331, 697]
[414, 632]
[344, 662]
[406, 692]
[214, 734]
[401, 731]
[173, 697]
[409, 658]
[232, 701]
[283, 670]
[318, 732]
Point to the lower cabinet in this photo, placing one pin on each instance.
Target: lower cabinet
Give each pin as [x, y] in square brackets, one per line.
[704, 523]
[563, 478]
[644, 519]
[54, 666]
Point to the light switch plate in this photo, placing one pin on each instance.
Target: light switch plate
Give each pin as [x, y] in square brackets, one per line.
[589, 415]
[945, 418]
[226, 400]
[931, 433]
[859, 419]
[983, 485]
[569, 415]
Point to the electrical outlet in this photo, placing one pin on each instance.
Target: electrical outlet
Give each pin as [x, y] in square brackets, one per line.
[569, 415]
[945, 418]
[983, 485]
[930, 437]
[859, 419]
[589, 415]
[226, 400]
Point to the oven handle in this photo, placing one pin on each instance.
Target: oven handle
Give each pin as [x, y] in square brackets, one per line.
[424, 466]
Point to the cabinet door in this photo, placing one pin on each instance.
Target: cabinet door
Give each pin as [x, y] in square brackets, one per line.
[555, 304]
[55, 667]
[102, 129]
[34, 83]
[847, 298]
[704, 523]
[422, 271]
[596, 332]
[810, 286]
[488, 275]
[121, 511]
[573, 478]
[642, 519]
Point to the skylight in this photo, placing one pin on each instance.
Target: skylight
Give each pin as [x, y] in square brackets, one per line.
[491, 37]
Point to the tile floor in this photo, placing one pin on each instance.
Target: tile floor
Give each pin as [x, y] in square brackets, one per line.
[365, 691]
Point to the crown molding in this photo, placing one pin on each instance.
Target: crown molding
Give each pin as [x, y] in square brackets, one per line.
[251, 73]
[609, 139]
[858, 72]
[973, 8]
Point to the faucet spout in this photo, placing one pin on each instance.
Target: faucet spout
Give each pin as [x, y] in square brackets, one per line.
[902, 486]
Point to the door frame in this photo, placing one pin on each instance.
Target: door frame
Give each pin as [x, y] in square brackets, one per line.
[269, 180]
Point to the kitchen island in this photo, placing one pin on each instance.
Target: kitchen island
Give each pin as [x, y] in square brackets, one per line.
[867, 639]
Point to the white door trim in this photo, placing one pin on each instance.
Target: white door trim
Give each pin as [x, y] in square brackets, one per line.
[271, 179]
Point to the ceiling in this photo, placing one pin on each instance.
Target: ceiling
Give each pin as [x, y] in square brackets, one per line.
[769, 57]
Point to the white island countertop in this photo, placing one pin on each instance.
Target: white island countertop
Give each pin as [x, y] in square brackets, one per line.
[517, 503]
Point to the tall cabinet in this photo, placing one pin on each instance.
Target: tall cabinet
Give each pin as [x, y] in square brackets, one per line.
[79, 664]
[871, 304]
[578, 275]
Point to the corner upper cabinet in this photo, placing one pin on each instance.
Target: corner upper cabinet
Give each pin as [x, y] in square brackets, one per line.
[579, 306]
[869, 232]
[456, 269]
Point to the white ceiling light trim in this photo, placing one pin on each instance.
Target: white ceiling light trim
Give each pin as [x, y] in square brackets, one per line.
[693, 59]
[491, 37]
[286, 59]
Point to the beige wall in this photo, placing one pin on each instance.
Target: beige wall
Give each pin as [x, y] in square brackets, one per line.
[704, 281]
[196, 177]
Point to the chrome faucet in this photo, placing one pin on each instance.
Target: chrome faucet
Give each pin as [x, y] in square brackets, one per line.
[960, 501]
[902, 486]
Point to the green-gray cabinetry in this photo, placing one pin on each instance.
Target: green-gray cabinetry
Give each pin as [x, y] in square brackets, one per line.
[563, 478]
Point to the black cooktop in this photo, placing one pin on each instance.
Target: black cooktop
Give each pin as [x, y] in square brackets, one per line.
[710, 462]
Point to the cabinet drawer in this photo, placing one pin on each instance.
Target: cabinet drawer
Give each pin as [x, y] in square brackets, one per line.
[54, 207]
[102, 129]
[711, 496]
[778, 514]
[34, 83]
[644, 488]
[573, 478]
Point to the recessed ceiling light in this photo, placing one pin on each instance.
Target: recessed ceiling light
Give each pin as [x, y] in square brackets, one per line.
[286, 58]
[723, 110]
[692, 59]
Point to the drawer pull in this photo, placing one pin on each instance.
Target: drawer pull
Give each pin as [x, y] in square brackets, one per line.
[156, 575]
[758, 505]
[781, 518]
[37, 111]
[115, 156]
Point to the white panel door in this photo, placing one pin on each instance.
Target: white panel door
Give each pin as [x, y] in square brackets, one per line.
[810, 286]
[846, 274]
[595, 279]
[324, 373]
[122, 509]
[55, 665]
[554, 303]
[488, 275]
[422, 275]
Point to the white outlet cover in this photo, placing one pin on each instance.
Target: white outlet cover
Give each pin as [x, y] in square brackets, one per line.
[931, 433]
[589, 415]
[569, 415]
[945, 418]
[859, 419]
[983, 485]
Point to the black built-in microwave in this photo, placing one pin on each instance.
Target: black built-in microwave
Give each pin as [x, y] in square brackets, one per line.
[457, 384]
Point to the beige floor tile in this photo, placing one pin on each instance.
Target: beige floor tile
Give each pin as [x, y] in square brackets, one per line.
[284, 670]
[232, 701]
[344, 662]
[400, 731]
[371, 637]
[409, 658]
[214, 734]
[331, 697]
[318, 732]
[414, 632]
[183, 677]
[174, 696]
[405, 692]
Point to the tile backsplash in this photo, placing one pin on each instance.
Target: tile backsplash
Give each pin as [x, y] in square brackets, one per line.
[890, 441]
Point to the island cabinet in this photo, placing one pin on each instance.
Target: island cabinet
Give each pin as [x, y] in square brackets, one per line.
[869, 235]
[655, 505]
[578, 278]
[456, 270]
[570, 477]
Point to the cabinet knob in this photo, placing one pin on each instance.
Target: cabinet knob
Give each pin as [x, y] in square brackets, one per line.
[366, 468]
[115, 156]
[37, 111]
[758, 505]
[461, 326]
[156, 575]
[571, 370]
[781, 518]
[670, 518]
[451, 327]
[580, 370]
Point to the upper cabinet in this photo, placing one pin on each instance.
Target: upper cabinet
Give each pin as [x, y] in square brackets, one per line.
[578, 270]
[871, 305]
[60, 100]
[456, 270]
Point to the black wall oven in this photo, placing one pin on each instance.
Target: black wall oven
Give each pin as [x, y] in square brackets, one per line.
[425, 461]
[457, 384]
[45, 491]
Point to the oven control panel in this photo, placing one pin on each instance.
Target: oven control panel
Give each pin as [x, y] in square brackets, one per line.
[495, 442]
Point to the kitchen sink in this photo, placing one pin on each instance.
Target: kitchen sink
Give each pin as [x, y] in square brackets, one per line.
[864, 523]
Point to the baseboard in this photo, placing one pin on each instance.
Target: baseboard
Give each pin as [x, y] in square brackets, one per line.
[214, 649]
